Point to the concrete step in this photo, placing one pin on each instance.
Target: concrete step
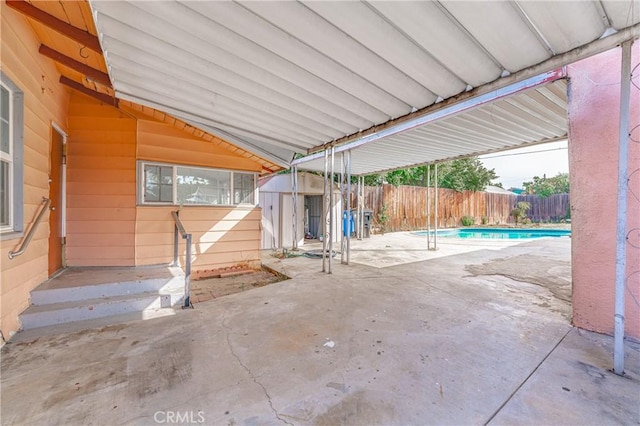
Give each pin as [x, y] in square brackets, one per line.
[81, 310]
[97, 323]
[76, 286]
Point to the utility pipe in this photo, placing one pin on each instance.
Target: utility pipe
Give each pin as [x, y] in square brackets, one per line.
[621, 222]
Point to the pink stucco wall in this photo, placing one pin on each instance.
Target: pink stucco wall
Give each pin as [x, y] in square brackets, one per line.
[594, 106]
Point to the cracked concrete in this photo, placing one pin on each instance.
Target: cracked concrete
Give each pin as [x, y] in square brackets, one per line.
[418, 343]
[253, 377]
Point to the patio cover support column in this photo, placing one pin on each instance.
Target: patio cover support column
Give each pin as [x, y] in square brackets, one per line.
[357, 223]
[331, 211]
[325, 216]
[428, 207]
[342, 206]
[294, 191]
[360, 201]
[349, 218]
[435, 227]
[621, 223]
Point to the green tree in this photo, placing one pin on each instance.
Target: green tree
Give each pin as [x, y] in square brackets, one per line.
[463, 174]
[544, 186]
[466, 174]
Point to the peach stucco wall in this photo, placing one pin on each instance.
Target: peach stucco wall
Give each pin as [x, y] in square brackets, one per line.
[594, 105]
[45, 101]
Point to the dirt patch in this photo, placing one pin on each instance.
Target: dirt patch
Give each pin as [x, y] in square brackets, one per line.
[552, 274]
[213, 288]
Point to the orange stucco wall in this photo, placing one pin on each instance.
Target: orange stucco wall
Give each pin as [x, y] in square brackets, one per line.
[594, 105]
[45, 101]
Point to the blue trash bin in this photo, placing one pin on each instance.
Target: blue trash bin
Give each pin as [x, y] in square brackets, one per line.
[347, 223]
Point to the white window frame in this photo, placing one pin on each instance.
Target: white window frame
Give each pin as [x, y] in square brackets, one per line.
[141, 176]
[15, 159]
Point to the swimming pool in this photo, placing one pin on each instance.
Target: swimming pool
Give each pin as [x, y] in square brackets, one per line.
[499, 233]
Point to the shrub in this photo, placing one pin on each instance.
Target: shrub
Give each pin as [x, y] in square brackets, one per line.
[468, 220]
[520, 212]
[383, 218]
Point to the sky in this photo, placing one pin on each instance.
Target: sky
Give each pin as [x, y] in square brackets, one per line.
[520, 165]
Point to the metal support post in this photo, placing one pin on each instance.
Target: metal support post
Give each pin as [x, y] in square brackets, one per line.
[621, 222]
[435, 207]
[294, 192]
[176, 242]
[358, 211]
[349, 218]
[187, 274]
[332, 203]
[428, 206]
[361, 200]
[325, 216]
[342, 207]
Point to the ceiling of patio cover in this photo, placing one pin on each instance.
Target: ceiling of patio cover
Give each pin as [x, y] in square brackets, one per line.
[287, 77]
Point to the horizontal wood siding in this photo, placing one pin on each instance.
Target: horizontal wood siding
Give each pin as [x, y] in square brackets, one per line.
[161, 142]
[222, 236]
[101, 185]
[45, 100]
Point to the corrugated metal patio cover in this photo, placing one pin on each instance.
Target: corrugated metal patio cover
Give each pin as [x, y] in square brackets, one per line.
[536, 115]
[285, 77]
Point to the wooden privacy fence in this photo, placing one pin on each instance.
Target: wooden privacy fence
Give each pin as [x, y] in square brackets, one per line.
[406, 206]
[552, 208]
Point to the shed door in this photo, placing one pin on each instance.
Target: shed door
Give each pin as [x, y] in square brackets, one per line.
[313, 203]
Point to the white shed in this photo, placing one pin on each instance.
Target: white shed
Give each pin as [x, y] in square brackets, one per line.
[276, 200]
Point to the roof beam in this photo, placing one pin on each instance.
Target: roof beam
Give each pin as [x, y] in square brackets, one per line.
[102, 97]
[83, 37]
[90, 72]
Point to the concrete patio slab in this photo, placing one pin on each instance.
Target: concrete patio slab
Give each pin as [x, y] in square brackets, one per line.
[460, 339]
[398, 248]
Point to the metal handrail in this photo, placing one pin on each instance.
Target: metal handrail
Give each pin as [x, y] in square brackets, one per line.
[24, 243]
[179, 230]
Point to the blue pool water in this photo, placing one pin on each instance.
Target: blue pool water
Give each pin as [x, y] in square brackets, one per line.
[499, 233]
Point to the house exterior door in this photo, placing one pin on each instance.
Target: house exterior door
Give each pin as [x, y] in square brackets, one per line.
[56, 208]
